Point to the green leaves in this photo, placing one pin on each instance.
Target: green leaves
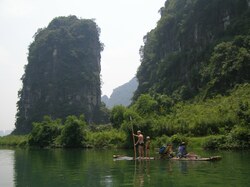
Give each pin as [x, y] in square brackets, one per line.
[44, 134]
[177, 58]
[106, 138]
[117, 115]
[73, 132]
[50, 133]
[228, 65]
[145, 105]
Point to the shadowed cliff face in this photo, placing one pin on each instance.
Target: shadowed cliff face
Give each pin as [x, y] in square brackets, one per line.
[176, 53]
[62, 76]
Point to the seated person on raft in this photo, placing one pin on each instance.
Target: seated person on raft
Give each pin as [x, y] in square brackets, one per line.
[166, 152]
[182, 152]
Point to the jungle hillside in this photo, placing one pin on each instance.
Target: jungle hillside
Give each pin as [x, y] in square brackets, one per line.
[194, 84]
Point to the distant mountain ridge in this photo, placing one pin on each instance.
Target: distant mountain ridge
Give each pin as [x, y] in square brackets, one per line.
[121, 95]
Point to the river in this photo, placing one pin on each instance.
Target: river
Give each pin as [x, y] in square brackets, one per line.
[94, 168]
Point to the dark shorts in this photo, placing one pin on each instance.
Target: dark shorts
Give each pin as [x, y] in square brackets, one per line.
[140, 144]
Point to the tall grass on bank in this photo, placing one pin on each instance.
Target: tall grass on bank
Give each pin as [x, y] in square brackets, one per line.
[105, 139]
[14, 141]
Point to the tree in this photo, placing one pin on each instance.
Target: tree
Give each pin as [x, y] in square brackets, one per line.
[145, 105]
[117, 115]
[73, 134]
[44, 133]
[228, 65]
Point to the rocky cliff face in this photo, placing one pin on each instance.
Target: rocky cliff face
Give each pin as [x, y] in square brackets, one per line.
[62, 76]
[177, 50]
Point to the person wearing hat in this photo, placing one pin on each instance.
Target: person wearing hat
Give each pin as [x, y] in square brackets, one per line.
[140, 143]
[182, 152]
[147, 146]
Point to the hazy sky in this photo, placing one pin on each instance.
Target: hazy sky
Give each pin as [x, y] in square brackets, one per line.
[123, 25]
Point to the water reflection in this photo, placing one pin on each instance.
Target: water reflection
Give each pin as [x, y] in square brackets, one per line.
[107, 181]
[97, 168]
[142, 173]
[183, 167]
[7, 170]
[139, 173]
[58, 168]
[169, 167]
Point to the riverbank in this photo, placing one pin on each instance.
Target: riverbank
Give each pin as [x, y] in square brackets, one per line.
[194, 143]
[14, 141]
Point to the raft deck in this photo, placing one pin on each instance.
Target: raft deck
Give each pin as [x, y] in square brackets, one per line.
[212, 158]
[123, 157]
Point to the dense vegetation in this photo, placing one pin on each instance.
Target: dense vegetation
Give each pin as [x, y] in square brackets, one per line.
[194, 74]
[193, 85]
[219, 123]
[73, 133]
[62, 76]
[199, 47]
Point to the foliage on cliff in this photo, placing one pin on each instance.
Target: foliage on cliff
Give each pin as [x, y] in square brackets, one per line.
[199, 56]
[62, 76]
[199, 47]
[193, 82]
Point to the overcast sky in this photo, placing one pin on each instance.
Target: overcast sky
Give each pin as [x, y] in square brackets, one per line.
[123, 25]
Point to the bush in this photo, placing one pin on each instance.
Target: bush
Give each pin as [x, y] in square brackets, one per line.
[177, 139]
[214, 142]
[43, 134]
[117, 115]
[240, 137]
[108, 138]
[204, 128]
[243, 114]
[161, 141]
[73, 132]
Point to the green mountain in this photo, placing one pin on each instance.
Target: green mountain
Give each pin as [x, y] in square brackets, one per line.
[199, 49]
[62, 76]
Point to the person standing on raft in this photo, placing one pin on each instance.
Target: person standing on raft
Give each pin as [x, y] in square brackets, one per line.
[140, 143]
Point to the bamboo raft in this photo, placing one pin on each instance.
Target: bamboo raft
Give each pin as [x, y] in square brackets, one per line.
[212, 158]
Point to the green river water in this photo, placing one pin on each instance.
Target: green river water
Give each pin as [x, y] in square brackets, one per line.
[94, 168]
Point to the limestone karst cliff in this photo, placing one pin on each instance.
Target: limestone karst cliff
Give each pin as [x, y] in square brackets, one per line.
[198, 47]
[62, 76]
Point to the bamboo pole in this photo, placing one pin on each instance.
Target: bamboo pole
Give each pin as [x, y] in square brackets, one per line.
[133, 139]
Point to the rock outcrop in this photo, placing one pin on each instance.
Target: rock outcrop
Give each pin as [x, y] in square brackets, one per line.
[62, 76]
